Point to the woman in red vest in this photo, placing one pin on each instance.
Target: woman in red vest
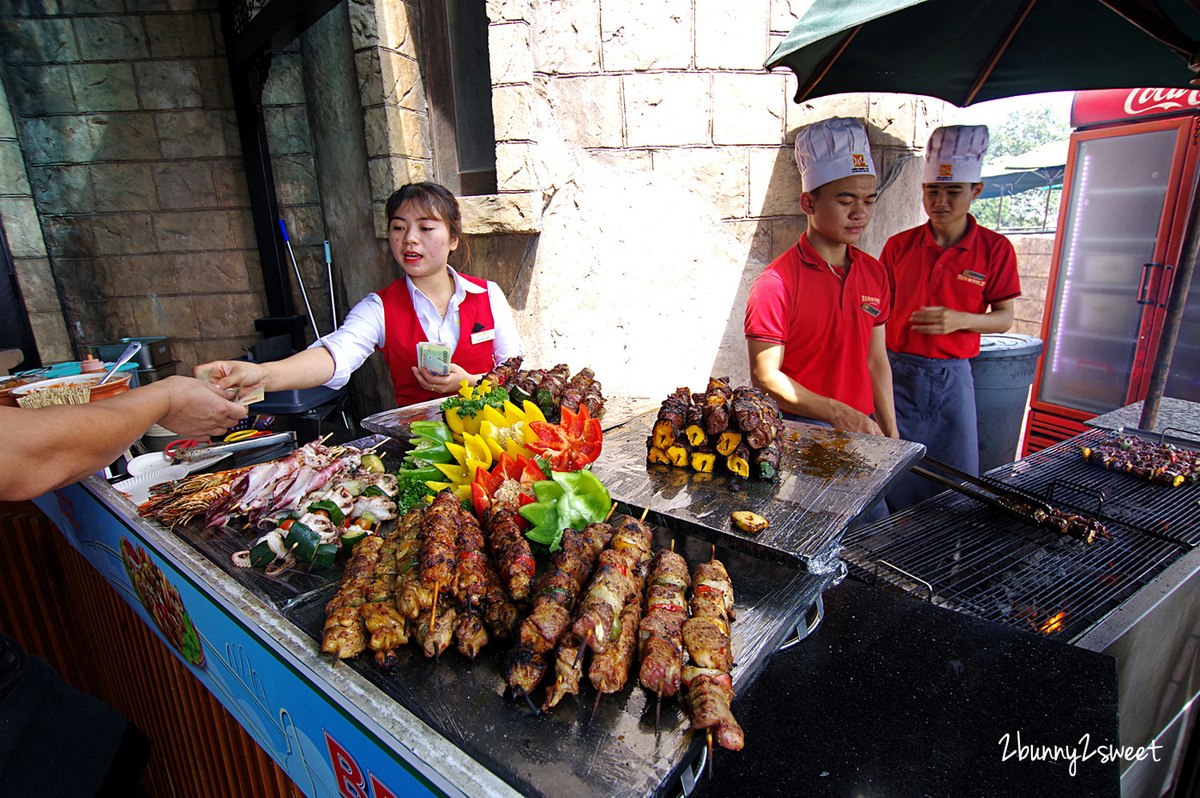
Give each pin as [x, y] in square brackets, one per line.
[432, 303]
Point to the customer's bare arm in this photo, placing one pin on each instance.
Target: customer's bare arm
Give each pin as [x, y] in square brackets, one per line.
[305, 369]
[49, 447]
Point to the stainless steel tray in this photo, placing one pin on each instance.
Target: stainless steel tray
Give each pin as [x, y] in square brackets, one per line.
[827, 477]
[567, 751]
[394, 422]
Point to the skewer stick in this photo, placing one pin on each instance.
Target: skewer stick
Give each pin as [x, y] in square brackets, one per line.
[582, 647]
[710, 765]
[612, 508]
[657, 711]
[595, 705]
[325, 437]
[644, 512]
[437, 588]
[521, 690]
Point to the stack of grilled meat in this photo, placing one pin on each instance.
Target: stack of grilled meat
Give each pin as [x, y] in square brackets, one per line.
[601, 600]
[737, 427]
[551, 390]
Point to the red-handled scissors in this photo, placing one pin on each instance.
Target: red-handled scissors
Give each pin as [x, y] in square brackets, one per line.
[175, 448]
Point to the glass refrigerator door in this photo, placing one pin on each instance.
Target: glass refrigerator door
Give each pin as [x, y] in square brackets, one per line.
[1119, 191]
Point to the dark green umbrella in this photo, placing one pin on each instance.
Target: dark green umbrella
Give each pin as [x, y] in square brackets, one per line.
[968, 51]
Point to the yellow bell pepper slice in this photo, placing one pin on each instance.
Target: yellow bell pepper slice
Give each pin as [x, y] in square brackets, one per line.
[490, 415]
[533, 412]
[512, 413]
[462, 491]
[515, 449]
[454, 472]
[476, 450]
[490, 434]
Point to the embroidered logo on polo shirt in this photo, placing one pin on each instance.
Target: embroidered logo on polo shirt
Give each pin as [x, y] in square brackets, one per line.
[945, 171]
[974, 278]
[858, 162]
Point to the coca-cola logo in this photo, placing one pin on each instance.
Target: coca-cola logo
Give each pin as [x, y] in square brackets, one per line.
[1144, 101]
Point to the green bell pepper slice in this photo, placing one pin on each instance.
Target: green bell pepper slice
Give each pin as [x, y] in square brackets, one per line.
[436, 431]
[571, 500]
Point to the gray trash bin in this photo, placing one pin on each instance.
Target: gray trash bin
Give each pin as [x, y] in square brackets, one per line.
[1003, 371]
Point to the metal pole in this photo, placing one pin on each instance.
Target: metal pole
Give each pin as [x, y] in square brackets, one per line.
[1174, 315]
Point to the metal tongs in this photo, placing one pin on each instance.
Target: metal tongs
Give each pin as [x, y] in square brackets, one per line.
[1003, 497]
[189, 451]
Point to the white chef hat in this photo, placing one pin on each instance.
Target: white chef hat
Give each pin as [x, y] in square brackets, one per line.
[832, 149]
[955, 154]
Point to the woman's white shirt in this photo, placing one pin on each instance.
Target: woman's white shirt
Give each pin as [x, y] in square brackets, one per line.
[364, 329]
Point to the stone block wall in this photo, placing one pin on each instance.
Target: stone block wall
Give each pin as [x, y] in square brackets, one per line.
[651, 154]
[20, 220]
[124, 118]
[643, 158]
[1035, 256]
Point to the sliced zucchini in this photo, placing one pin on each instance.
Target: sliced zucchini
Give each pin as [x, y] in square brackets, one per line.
[261, 555]
[325, 555]
[302, 541]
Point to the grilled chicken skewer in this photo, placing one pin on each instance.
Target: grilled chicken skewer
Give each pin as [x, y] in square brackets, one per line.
[388, 627]
[344, 634]
[510, 549]
[706, 637]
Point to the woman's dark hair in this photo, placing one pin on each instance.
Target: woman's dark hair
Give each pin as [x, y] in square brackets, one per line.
[434, 200]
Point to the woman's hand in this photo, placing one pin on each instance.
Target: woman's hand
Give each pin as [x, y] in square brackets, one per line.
[233, 377]
[443, 385]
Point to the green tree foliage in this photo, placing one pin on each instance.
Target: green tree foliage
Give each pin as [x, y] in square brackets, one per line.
[1025, 129]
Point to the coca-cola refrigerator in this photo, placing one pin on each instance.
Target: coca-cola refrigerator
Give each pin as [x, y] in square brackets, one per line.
[1130, 179]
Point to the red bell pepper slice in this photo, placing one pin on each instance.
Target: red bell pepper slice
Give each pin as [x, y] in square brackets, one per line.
[486, 483]
[571, 444]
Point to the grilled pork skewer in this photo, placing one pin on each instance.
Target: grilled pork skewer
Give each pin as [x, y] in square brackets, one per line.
[554, 596]
[610, 669]
[510, 549]
[706, 636]
[660, 637]
[388, 627]
[621, 568]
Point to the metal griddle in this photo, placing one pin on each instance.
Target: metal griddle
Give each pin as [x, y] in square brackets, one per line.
[827, 477]
[566, 751]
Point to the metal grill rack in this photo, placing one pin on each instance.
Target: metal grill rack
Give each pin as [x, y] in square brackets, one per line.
[971, 558]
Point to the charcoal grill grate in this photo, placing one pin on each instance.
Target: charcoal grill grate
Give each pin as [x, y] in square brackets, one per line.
[974, 559]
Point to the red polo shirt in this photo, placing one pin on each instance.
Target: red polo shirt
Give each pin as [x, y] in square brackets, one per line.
[977, 271]
[824, 324]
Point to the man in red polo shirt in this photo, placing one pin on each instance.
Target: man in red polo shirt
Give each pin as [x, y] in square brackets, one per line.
[952, 279]
[815, 317]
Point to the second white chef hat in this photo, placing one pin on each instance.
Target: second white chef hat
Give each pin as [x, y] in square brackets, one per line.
[832, 149]
[955, 154]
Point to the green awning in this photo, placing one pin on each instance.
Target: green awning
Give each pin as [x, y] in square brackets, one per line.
[966, 52]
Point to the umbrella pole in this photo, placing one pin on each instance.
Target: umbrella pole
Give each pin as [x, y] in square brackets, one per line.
[1173, 319]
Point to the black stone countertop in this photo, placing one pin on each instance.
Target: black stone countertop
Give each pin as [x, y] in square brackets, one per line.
[892, 696]
[1174, 413]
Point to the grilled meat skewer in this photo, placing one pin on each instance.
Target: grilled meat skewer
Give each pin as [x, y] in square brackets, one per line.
[706, 637]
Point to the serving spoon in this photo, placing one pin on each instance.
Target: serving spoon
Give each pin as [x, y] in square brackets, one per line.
[129, 352]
